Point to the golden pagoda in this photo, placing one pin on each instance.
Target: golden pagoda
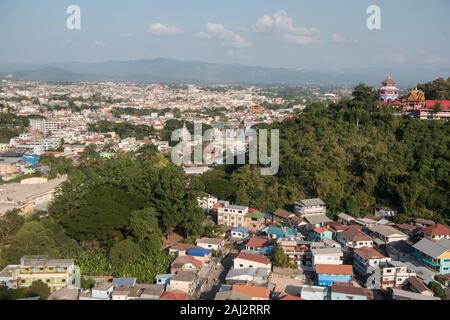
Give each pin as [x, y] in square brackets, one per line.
[415, 99]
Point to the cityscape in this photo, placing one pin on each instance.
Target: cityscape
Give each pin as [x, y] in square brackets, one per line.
[94, 205]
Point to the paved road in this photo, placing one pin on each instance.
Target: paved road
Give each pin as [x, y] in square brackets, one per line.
[217, 277]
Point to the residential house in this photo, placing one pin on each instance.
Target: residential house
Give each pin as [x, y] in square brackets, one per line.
[239, 233]
[308, 207]
[201, 254]
[124, 282]
[56, 273]
[353, 238]
[250, 260]
[423, 223]
[184, 263]
[400, 250]
[367, 258]
[320, 233]
[287, 280]
[231, 215]
[257, 276]
[275, 232]
[434, 255]
[256, 244]
[328, 274]
[394, 274]
[386, 234]
[345, 218]
[101, 291]
[254, 220]
[436, 232]
[152, 292]
[179, 249]
[385, 212]
[208, 243]
[399, 294]
[298, 251]
[348, 292]
[282, 216]
[314, 292]
[121, 293]
[254, 292]
[332, 256]
[409, 229]
[174, 295]
[416, 285]
[185, 281]
[207, 202]
[163, 279]
[316, 220]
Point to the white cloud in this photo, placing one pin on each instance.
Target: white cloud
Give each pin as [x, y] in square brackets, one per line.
[280, 23]
[217, 31]
[338, 38]
[161, 30]
[298, 39]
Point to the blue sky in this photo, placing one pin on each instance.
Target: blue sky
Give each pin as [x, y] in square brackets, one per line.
[302, 34]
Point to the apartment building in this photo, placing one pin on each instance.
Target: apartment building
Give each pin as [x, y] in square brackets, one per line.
[308, 207]
[231, 215]
[56, 273]
[394, 274]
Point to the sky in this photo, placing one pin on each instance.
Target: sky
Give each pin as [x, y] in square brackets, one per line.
[299, 34]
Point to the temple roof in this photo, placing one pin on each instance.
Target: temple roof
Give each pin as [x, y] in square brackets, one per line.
[389, 82]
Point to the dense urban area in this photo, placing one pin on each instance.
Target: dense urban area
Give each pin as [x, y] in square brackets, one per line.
[93, 208]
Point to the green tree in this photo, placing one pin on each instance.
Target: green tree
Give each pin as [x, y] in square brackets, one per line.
[38, 289]
[437, 290]
[125, 252]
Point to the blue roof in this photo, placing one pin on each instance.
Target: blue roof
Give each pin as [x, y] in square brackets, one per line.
[198, 252]
[124, 282]
[240, 229]
[276, 230]
[291, 232]
[266, 250]
[33, 166]
[268, 215]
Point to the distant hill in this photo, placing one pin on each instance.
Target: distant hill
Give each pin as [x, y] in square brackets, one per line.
[175, 71]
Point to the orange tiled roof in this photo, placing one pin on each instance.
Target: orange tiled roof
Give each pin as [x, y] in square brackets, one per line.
[437, 230]
[253, 291]
[334, 269]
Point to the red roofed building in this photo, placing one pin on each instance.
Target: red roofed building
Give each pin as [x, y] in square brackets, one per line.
[256, 293]
[256, 243]
[328, 274]
[182, 263]
[173, 295]
[250, 260]
[435, 110]
[436, 232]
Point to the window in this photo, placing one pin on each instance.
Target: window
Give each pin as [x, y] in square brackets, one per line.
[241, 265]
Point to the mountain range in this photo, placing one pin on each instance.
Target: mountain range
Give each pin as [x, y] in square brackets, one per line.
[162, 70]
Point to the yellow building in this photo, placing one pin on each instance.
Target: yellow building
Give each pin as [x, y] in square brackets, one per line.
[56, 273]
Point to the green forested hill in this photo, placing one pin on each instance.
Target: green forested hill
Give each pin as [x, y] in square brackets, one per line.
[353, 156]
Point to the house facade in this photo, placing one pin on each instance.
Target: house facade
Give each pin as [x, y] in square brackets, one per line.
[328, 274]
[56, 273]
[231, 215]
